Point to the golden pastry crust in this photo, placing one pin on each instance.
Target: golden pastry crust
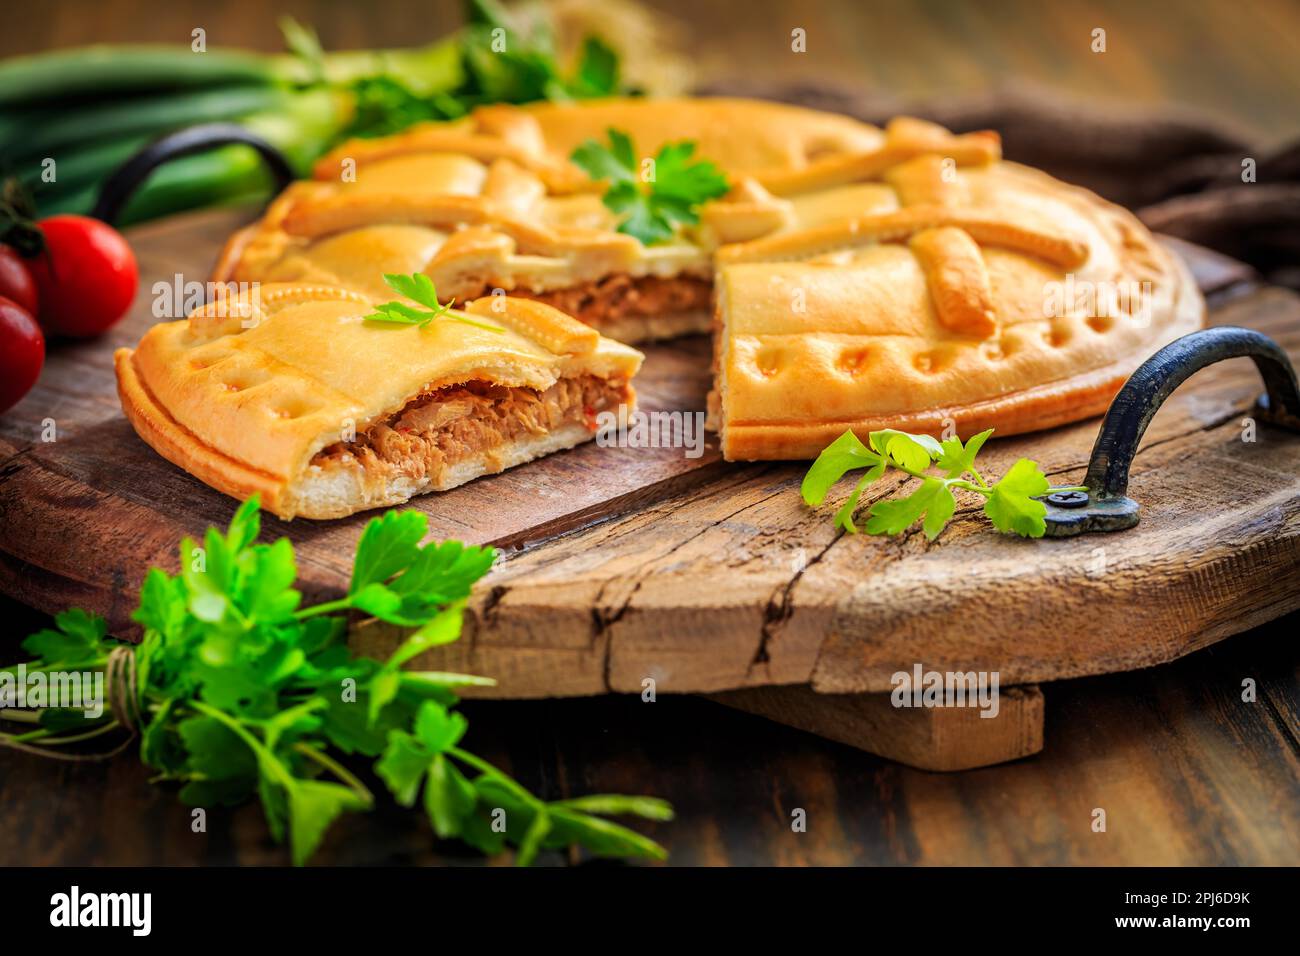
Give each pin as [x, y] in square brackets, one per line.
[862, 276]
[493, 201]
[941, 318]
[246, 391]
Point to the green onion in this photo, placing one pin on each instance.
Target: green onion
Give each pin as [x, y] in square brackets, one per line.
[101, 72]
[152, 115]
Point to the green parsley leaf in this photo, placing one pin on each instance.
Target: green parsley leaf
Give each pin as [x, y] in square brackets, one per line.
[383, 105]
[162, 602]
[443, 573]
[244, 693]
[844, 517]
[403, 766]
[838, 458]
[380, 601]
[215, 752]
[442, 628]
[651, 211]
[932, 499]
[681, 184]
[388, 545]
[598, 70]
[245, 525]
[78, 640]
[1012, 505]
[408, 760]
[419, 287]
[913, 452]
[616, 163]
[265, 591]
[438, 728]
[313, 806]
[448, 797]
[957, 460]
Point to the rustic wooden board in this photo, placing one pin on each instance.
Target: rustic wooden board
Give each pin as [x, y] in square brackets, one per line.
[934, 738]
[633, 565]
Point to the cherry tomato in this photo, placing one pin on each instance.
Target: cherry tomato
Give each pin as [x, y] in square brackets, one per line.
[87, 275]
[16, 282]
[22, 353]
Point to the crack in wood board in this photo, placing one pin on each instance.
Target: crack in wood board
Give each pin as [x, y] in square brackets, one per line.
[1171, 451]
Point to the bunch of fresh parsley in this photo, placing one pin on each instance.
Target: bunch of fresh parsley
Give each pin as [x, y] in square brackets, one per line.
[670, 197]
[241, 691]
[1011, 503]
[500, 62]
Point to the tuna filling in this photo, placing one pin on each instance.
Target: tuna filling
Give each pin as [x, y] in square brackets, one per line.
[614, 297]
[440, 429]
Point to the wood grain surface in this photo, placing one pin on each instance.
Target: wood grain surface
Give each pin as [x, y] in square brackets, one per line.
[737, 583]
[1187, 772]
[632, 564]
[934, 738]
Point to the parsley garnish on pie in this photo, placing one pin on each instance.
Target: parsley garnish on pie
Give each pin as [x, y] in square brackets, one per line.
[418, 287]
[665, 196]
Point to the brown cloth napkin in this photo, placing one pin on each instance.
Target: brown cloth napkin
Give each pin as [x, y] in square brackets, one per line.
[1179, 171]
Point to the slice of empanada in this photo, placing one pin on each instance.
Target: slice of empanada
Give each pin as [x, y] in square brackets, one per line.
[292, 394]
[992, 297]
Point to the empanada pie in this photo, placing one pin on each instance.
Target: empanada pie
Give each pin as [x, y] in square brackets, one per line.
[905, 277]
[852, 278]
[293, 394]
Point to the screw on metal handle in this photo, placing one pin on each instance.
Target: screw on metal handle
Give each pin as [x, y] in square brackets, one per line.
[127, 178]
[1106, 506]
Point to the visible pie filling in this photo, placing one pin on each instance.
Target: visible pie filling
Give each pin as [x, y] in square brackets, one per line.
[607, 300]
[447, 426]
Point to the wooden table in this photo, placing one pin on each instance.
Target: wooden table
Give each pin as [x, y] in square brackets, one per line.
[1186, 771]
[1154, 749]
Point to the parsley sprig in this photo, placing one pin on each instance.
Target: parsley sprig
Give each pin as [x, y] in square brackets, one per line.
[1011, 503]
[481, 64]
[241, 691]
[418, 287]
[671, 196]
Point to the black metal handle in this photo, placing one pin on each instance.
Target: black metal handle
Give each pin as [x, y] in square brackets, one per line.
[1105, 506]
[126, 179]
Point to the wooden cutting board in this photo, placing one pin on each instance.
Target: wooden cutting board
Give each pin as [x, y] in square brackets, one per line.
[623, 565]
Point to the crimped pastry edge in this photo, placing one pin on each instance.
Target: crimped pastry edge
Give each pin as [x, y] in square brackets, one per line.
[182, 448]
[287, 500]
[1043, 406]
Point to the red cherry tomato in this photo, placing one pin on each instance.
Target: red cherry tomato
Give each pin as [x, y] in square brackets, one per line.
[22, 353]
[87, 275]
[16, 282]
